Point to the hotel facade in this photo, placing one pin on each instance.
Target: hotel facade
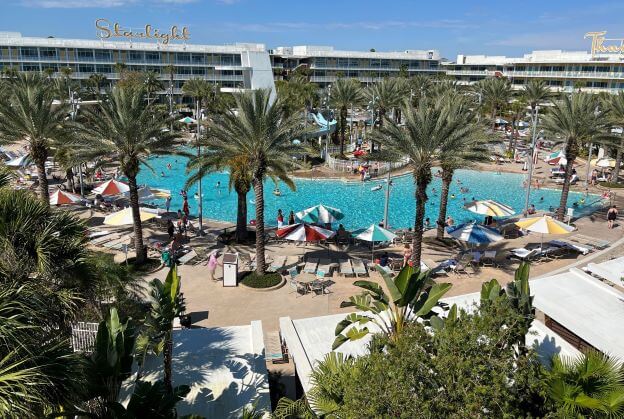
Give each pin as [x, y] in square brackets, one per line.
[246, 66]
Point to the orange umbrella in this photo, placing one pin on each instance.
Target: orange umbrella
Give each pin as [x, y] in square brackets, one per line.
[111, 187]
[64, 198]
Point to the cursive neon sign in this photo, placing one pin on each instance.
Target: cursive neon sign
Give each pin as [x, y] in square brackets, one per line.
[602, 45]
[106, 30]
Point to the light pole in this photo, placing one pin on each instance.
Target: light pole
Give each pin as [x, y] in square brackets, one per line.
[532, 151]
[387, 203]
[589, 156]
[199, 183]
[75, 107]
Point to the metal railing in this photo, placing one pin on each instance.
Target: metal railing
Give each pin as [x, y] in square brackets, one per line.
[83, 336]
[347, 166]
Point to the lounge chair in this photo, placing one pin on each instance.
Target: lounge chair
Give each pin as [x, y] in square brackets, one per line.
[310, 266]
[525, 254]
[187, 257]
[570, 246]
[325, 267]
[345, 267]
[597, 243]
[462, 268]
[277, 264]
[489, 258]
[359, 267]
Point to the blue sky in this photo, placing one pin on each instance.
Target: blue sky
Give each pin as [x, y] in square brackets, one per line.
[468, 27]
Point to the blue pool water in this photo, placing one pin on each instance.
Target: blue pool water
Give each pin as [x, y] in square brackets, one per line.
[361, 206]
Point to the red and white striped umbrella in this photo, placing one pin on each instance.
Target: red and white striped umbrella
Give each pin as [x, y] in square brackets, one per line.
[304, 233]
[61, 197]
[111, 187]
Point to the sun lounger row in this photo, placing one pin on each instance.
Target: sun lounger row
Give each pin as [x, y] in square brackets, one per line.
[282, 262]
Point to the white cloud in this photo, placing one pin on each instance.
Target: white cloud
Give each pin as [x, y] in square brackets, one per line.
[368, 25]
[75, 4]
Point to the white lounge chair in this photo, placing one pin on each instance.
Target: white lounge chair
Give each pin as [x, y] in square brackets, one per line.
[525, 254]
[187, 257]
[359, 267]
[345, 267]
[572, 246]
[310, 266]
[324, 266]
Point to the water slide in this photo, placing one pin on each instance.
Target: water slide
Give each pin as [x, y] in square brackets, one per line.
[322, 124]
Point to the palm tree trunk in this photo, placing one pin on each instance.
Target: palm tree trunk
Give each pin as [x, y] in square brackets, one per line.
[447, 178]
[565, 190]
[70, 180]
[494, 118]
[241, 217]
[616, 169]
[44, 192]
[259, 192]
[421, 199]
[167, 360]
[141, 253]
[343, 122]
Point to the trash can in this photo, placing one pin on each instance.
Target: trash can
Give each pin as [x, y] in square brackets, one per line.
[230, 269]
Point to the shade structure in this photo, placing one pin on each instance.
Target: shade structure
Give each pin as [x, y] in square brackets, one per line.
[373, 234]
[304, 233]
[111, 187]
[124, 217]
[558, 157]
[603, 162]
[490, 208]
[474, 233]
[21, 161]
[544, 225]
[320, 214]
[64, 198]
[187, 120]
[149, 194]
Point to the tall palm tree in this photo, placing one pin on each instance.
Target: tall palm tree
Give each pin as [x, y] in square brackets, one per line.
[27, 115]
[261, 132]
[590, 385]
[495, 93]
[420, 84]
[120, 69]
[516, 111]
[152, 84]
[463, 149]
[536, 92]
[345, 93]
[615, 104]
[576, 119]
[126, 127]
[96, 81]
[428, 128]
[384, 96]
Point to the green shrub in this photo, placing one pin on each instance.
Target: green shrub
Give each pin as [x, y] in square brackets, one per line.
[268, 280]
[611, 185]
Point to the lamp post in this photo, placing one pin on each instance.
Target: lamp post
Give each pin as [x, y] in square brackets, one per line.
[387, 203]
[532, 152]
[75, 107]
[199, 183]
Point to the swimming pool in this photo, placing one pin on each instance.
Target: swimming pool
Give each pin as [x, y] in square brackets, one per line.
[361, 206]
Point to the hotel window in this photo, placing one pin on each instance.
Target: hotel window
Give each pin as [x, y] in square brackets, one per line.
[433, 65]
[30, 67]
[227, 60]
[104, 68]
[555, 83]
[319, 73]
[353, 74]
[152, 57]
[29, 53]
[183, 70]
[198, 58]
[374, 62]
[84, 55]
[152, 68]
[343, 62]
[101, 55]
[385, 63]
[588, 68]
[199, 71]
[136, 56]
[53, 67]
[182, 57]
[354, 62]
[320, 62]
[414, 65]
[48, 53]
[558, 68]
[86, 68]
[603, 69]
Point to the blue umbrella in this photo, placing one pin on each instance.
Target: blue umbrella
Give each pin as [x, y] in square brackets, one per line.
[474, 233]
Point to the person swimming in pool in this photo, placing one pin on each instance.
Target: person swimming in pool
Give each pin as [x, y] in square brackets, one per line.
[452, 196]
[169, 166]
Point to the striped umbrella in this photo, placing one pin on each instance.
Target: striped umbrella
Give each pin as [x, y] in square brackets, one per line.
[320, 214]
[474, 233]
[304, 233]
[187, 120]
[544, 225]
[64, 198]
[490, 208]
[124, 217]
[373, 234]
[111, 187]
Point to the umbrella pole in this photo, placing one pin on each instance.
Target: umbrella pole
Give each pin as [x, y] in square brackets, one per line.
[373, 251]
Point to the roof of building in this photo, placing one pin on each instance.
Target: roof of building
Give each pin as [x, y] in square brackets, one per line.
[328, 51]
[539, 57]
[224, 366]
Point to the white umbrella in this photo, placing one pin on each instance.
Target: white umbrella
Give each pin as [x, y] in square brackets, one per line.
[490, 208]
[321, 214]
[64, 198]
[474, 233]
[604, 162]
[111, 187]
[124, 217]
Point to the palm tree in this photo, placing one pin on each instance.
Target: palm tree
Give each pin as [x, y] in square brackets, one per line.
[536, 92]
[495, 93]
[420, 84]
[465, 147]
[412, 295]
[151, 83]
[516, 111]
[126, 127]
[345, 93]
[428, 128]
[167, 303]
[28, 116]
[577, 119]
[261, 132]
[384, 96]
[96, 81]
[120, 69]
[615, 104]
[590, 385]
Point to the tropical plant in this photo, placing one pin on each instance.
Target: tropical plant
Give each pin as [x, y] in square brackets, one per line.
[465, 147]
[576, 119]
[125, 127]
[345, 93]
[383, 96]
[27, 115]
[495, 93]
[590, 385]
[97, 81]
[152, 84]
[167, 303]
[428, 128]
[6, 176]
[615, 105]
[261, 133]
[296, 93]
[535, 92]
[412, 295]
[151, 401]
[516, 111]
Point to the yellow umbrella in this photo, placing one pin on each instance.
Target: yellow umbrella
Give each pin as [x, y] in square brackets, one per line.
[124, 217]
[544, 225]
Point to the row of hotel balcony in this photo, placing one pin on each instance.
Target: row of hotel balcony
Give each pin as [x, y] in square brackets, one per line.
[556, 74]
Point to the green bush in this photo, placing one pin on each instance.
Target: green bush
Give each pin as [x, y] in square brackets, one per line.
[269, 280]
[611, 185]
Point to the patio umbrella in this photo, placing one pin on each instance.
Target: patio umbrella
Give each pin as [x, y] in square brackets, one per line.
[474, 233]
[111, 187]
[558, 157]
[304, 233]
[373, 234]
[320, 214]
[63, 198]
[187, 120]
[124, 217]
[149, 194]
[491, 208]
[544, 225]
[603, 162]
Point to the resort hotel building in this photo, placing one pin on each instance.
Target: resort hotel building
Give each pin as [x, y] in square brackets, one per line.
[250, 66]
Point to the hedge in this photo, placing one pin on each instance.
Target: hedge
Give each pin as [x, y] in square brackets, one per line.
[269, 280]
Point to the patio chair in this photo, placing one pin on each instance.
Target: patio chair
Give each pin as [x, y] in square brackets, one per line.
[359, 267]
[316, 287]
[297, 287]
[324, 266]
[310, 266]
[277, 264]
[345, 267]
[462, 268]
[525, 254]
[489, 258]
[475, 258]
[187, 257]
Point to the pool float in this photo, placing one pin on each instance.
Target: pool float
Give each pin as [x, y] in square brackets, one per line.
[376, 188]
[251, 201]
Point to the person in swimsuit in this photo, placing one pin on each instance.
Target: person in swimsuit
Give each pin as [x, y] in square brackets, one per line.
[612, 216]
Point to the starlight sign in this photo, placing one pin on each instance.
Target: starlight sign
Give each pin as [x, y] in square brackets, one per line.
[106, 30]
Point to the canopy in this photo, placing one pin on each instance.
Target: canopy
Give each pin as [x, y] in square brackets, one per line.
[320, 214]
[474, 233]
[111, 187]
[187, 120]
[603, 162]
[490, 208]
[124, 217]
[304, 233]
[64, 198]
[558, 157]
[374, 233]
[21, 161]
[544, 225]
[148, 194]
